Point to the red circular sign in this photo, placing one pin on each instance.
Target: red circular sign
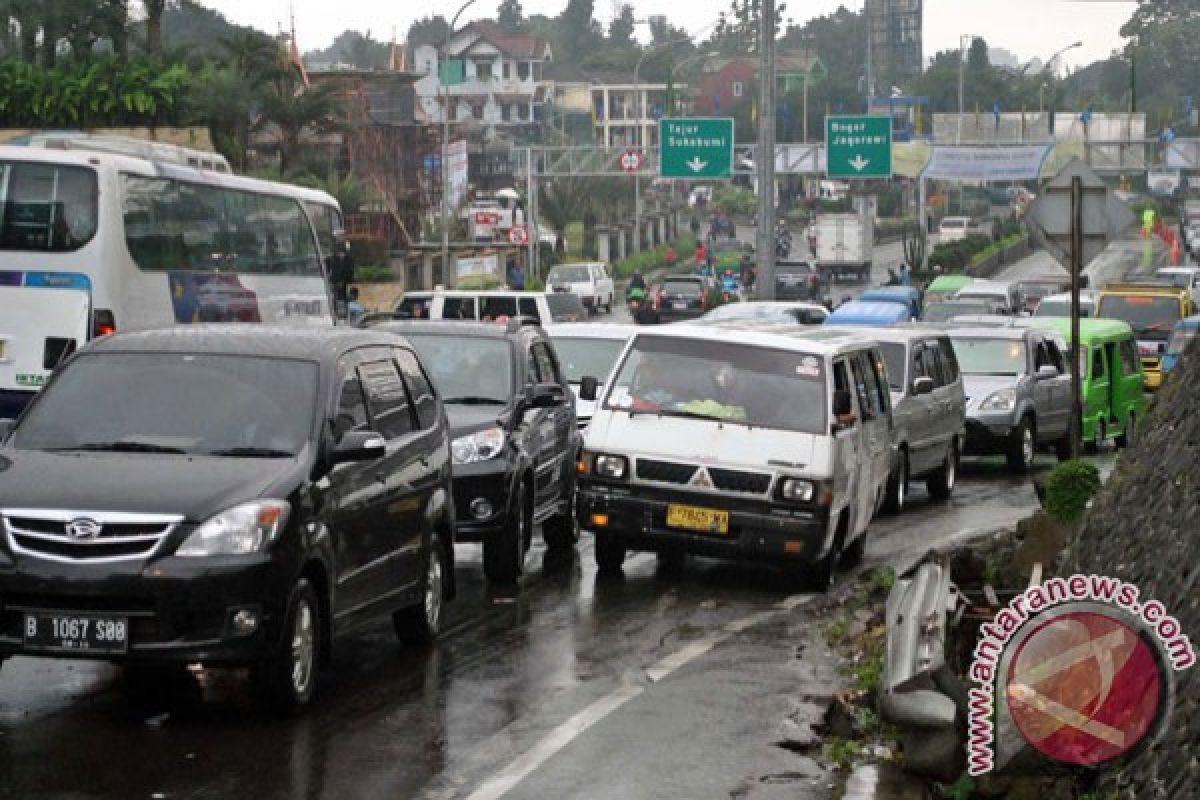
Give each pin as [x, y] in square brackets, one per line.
[518, 235]
[1084, 688]
[631, 160]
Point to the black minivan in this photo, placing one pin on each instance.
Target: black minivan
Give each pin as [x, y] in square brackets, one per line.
[226, 496]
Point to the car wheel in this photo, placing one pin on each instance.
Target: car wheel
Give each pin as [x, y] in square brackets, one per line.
[608, 305]
[897, 486]
[1021, 446]
[421, 623]
[823, 572]
[1126, 438]
[610, 555]
[561, 531]
[504, 553]
[286, 679]
[941, 483]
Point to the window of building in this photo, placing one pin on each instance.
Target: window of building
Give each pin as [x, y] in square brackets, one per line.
[738, 88]
[537, 70]
[523, 111]
[506, 68]
[523, 70]
[506, 112]
[483, 70]
[477, 110]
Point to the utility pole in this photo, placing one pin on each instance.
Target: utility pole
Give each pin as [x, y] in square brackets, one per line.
[766, 152]
[962, 63]
[1076, 348]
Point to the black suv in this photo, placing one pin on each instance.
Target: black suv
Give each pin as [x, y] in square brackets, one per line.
[798, 280]
[226, 495]
[514, 435]
[681, 297]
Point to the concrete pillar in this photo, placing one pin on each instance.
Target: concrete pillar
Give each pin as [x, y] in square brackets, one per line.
[603, 244]
[662, 228]
[426, 270]
[622, 241]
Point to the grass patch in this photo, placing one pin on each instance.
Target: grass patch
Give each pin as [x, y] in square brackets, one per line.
[842, 752]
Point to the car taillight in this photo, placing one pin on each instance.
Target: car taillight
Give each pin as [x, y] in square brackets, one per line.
[658, 299]
[103, 323]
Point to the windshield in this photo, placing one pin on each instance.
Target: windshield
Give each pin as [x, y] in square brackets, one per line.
[990, 356]
[195, 404]
[893, 356]
[587, 356]
[954, 222]
[1180, 339]
[940, 312]
[1150, 316]
[466, 368]
[681, 287]
[569, 275]
[748, 385]
[46, 208]
[1180, 280]
[1038, 290]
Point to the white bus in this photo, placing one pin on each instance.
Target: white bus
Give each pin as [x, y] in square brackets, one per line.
[92, 243]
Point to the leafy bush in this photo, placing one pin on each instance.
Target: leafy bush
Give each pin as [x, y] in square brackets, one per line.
[373, 274]
[1069, 488]
[735, 201]
[954, 256]
[656, 258]
[481, 283]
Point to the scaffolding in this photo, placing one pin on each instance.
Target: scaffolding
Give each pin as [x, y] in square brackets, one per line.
[894, 38]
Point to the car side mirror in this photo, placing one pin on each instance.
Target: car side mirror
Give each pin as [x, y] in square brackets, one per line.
[1047, 371]
[922, 385]
[6, 427]
[588, 388]
[545, 395]
[359, 446]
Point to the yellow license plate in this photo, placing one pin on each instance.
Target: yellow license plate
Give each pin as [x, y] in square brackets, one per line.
[690, 518]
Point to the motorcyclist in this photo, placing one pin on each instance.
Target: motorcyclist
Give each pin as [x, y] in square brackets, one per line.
[637, 281]
[892, 279]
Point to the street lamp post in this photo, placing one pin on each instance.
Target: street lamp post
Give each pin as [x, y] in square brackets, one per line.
[445, 142]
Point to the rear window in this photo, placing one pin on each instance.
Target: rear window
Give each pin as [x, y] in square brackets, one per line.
[1180, 339]
[1150, 316]
[954, 222]
[681, 287]
[570, 275]
[46, 208]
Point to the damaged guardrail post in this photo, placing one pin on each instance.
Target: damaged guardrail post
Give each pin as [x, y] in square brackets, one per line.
[918, 693]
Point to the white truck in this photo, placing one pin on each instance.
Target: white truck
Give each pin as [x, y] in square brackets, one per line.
[845, 244]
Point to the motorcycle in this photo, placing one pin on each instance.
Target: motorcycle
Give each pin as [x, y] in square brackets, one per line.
[635, 302]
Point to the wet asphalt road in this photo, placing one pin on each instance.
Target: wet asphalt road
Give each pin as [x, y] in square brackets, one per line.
[648, 685]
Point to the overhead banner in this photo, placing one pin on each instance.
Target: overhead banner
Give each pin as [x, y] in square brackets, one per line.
[986, 164]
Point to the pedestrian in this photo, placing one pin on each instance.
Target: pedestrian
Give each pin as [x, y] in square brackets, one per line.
[669, 256]
[905, 280]
[355, 310]
[700, 256]
[516, 277]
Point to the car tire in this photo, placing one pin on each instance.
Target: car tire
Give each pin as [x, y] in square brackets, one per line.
[610, 555]
[940, 483]
[286, 680]
[897, 486]
[1129, 436]
[504, 553]
[421, 623]
[1021, 446]
[561, 531]
[822, 574]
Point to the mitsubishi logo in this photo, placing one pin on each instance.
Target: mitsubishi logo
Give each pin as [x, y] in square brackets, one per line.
[83, 529]
[701, 480]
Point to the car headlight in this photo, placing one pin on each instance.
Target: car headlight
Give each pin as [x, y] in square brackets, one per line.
[797, 491]
[239, 531]
[1003, 400]
[479, 446]
[613, 467]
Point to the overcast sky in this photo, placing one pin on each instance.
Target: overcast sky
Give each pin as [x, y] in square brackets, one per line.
[1029, 28]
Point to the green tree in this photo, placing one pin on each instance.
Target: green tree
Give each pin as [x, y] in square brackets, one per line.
[428, 30]
[578, 31]
[510, 16]
[737, 31]
[154, 14]
[292, 110]
[620, 30]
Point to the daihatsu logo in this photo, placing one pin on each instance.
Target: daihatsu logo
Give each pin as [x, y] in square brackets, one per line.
[83, 529]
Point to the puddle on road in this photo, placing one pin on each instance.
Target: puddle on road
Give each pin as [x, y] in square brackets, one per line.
[882, 782]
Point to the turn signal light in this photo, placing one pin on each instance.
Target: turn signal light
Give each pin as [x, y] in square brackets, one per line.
[600, 520]
[792, 548]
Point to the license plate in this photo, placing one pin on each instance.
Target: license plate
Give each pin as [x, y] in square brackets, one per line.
[704, 520]
[679, 305]
[76, 633]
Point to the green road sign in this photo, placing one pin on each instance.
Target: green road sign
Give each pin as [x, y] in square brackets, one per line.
[697, 147]
[858, 146]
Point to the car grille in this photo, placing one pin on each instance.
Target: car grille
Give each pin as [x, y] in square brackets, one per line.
[729, 480]
[664, 471]
[80, 536]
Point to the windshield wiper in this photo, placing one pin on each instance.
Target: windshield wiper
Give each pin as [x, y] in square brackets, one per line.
[252, 452]
[697, 415]
[124, 447]
[476, 401]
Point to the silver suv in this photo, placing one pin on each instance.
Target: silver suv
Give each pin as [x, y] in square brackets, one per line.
[1018, 391]
[929, 408]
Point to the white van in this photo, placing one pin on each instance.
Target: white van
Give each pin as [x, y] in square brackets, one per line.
[489, 305]
[738, 441]
[590, 282]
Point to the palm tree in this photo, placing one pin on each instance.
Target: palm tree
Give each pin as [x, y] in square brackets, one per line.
[292, 110]
[560, 203]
